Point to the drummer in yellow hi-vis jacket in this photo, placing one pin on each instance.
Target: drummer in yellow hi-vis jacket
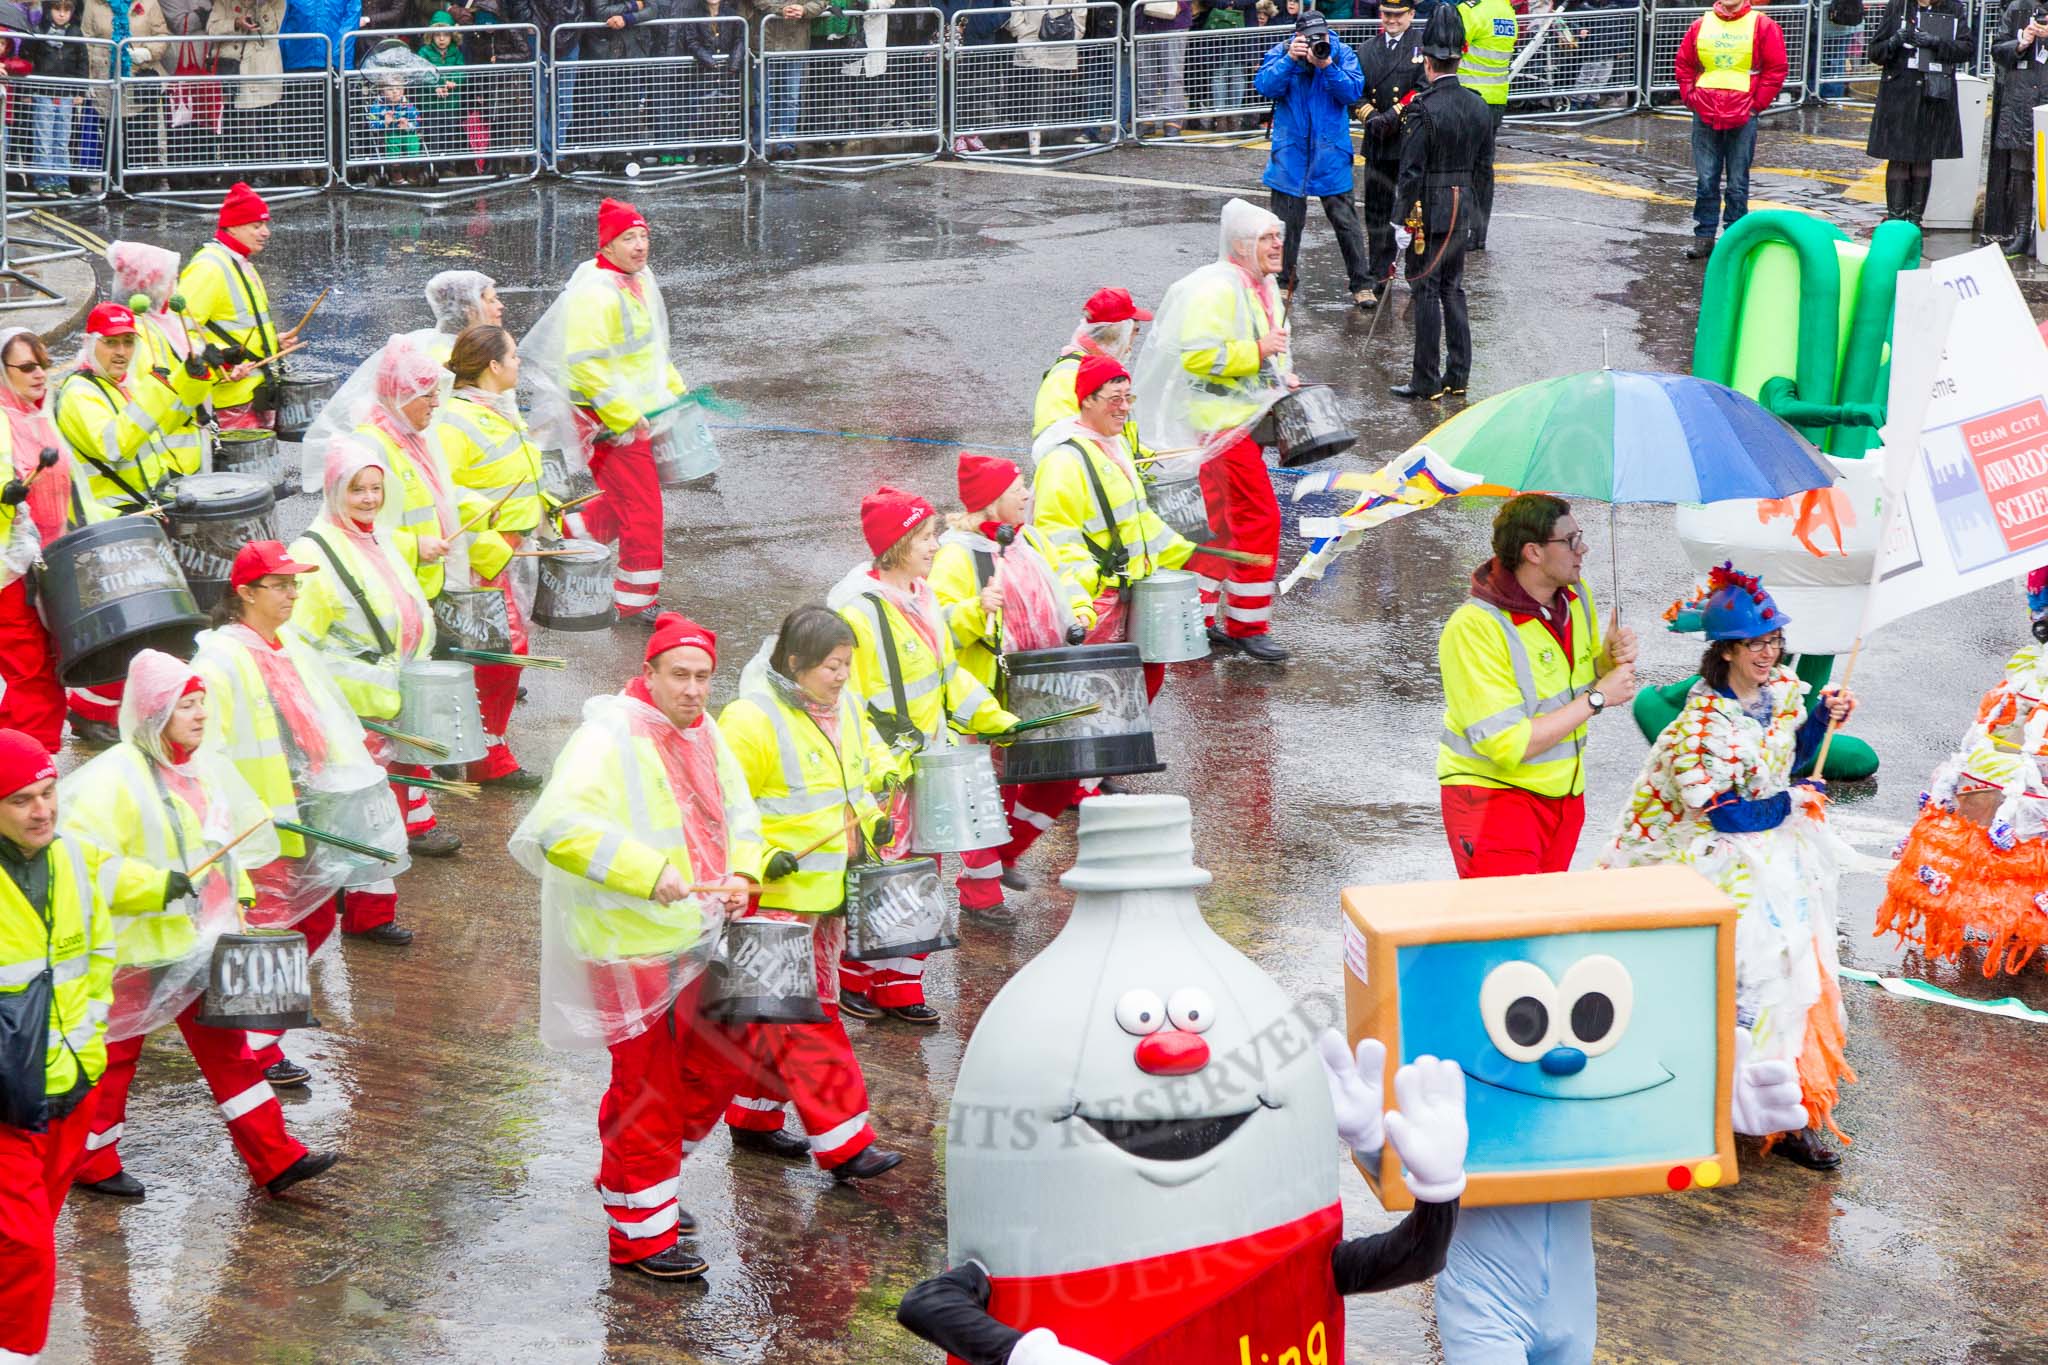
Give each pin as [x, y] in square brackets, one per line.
[366, 615]
[809, 755]
[642, 826]
[907, 675]
[494, 467]
[226, 302]
[56, 980]
[144, 276]
[1109, 327]
[1001, 586]
[1490, 32]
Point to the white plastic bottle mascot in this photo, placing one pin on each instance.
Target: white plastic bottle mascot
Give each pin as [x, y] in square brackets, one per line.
[1138, 1167]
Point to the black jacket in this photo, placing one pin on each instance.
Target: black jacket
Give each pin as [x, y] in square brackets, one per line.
[718, 45]
[1907, 125]
[1389, 74]
[1448, 131]
[2022, 78]
[67, 59]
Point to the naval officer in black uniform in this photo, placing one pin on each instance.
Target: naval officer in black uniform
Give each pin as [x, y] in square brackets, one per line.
[1391, 63]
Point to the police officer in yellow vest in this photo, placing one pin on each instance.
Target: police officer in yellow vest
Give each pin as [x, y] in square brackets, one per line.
[1731, 65]
[56, 985]
[1524, 670]
[1490, 31]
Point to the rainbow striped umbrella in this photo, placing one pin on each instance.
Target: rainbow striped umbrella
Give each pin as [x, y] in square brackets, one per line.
[1628, 436]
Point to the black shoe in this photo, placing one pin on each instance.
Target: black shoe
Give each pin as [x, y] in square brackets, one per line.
[520, 695]
[1217, 640]
[997, 914]
[94, 732]
[305, 1168]
[1262, 648]
[388, 934]
[673, 1263]
[119, 1185]
[924, 1016]
[1109, 786]
[1366, 300]
[1806, 1149]
[1414, 391]
[435, 843]
[858, 1005]
[1013, 879]
[1699, 249]
[1472, 244]
[288, 1075]
[518, 780]
[774, 1143]
[866, 1164]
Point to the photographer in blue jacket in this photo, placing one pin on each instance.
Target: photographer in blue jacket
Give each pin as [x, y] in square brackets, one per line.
[1313, 80]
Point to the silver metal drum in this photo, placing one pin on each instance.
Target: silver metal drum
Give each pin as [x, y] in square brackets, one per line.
[437, 701]
[472, 618]
[367, 814]
[955, 804]
[575, 590]
[1166, 617]
[684, 450]
[302, 394]
[1309, 426]
[1180, 504]
[765, 973]
[254, 453]
[897, 910]
[259, 980]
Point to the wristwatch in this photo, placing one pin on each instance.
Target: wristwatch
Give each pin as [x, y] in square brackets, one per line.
[1596, 699]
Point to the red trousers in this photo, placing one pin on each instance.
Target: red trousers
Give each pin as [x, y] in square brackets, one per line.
[1246, 515]
[35, 1174]
[891, 982]
[627, 509]
[102, 703]
[318, 927]
[255, 1120]
[34, 702]
[814, 1065]
[669, 1085]
[413, 803]
[497, 690]
[1505, 832]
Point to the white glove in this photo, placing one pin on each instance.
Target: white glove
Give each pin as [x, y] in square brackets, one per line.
[1355, 1089]
[1428, 1128]
[1040, 1347]
[1766, 1093]
[1402, 237]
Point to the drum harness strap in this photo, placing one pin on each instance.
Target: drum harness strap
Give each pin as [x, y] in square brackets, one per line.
[1116, 560]
[117, 401]
[267, 385]
[898, 726]
[355, 590]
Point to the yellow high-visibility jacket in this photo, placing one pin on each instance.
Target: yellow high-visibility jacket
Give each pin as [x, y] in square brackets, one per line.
[489, 458]
[1498, 677]
[616, 367]
[1490, 32]
[804, 784]
[182, 433]
[225, 301]
[76, 946]
[1066, 509]
[417, 513]
[1219, 347]
[956, 579]
[937, 690]
[1056, 401]
[329, 617]
[124, 427]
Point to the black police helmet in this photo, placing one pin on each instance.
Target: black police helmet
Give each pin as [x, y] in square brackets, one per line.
[1444, 36]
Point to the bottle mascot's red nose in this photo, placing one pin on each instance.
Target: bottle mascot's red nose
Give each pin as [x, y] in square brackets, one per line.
[1172, 1052]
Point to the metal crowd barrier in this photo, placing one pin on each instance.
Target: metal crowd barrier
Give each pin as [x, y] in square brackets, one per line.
[410, 128]
[1987, 16]
[176, 130]
[1845, 74]
[668, 99]
[57, 127]
[994, 92]
[1196, 85]
[1667, 31]
[1576, 67]
[876, 101]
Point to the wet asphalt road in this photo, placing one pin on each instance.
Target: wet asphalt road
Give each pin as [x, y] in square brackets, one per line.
[462, 1225]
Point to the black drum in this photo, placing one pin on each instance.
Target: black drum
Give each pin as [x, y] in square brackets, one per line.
[301, 395]
[765, 973]
[1307, 426]
[472, 618]
[575, 591]
[212, 516]
[259, 981]
[110, 590]
[1180, 504]
[1117, 739]
[898, 910]
[254, 452]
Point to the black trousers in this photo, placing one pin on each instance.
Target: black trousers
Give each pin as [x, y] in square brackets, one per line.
[1436, 279]
[1292, 211]
[1482, 183]
[1376, 204]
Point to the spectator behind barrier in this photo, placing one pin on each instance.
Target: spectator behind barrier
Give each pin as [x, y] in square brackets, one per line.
[55, 55]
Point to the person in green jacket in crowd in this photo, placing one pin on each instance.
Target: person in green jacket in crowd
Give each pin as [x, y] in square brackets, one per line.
[441, 102]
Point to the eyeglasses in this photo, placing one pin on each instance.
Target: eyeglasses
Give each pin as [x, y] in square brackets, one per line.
[1766, 644]
[32, 367]
[1576, 541]
[287, 585]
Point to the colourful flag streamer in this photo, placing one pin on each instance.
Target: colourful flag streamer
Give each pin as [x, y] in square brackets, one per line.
[1407, 483]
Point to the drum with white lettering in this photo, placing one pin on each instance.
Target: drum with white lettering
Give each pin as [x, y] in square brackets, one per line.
[955, 804]
[683, 449]
[575, 590]
[1114, 740]
[212, 516]
[301, 395]
[259, 980]
[1180, 504]
[1307, 425]
[110, 590]
[898, 910]
[764, 974]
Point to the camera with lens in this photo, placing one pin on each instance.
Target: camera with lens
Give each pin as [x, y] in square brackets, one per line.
[1316, 29]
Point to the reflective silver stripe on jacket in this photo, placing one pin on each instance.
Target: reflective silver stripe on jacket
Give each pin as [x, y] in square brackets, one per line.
[1531, 706]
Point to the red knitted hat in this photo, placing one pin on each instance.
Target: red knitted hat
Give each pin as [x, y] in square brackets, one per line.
[615, 216]
[673, 630]
[23, 763]
[889, 514]
[243, 205]
[1094, 372]
[984, 478]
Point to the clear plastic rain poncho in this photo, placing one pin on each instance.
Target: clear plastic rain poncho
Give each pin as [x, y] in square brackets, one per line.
[1036, 612]
[456, 296]
[1204, 413]
[549, 398]
[146, 800]
[404, 372]
[612, 962]
[412, 633]
[336, 785]
[30, 431]
[140, 268]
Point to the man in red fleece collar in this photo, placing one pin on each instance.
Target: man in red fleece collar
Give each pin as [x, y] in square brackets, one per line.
[1731, 66]
[1524, 670]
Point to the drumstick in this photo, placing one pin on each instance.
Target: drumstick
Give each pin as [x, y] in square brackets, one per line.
[490, 511]
[338, 840]
[492, 656]
[1236, 556]
[222, 851]
[468, 791]
[545, 554]
[575, 502]
[432, 746]
[1040, 722]
[309, 312]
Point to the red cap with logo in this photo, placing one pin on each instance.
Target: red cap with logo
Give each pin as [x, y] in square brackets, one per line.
[23, 762]
[1113, 305]
[242, 206]
[889, 514]
[615, 216]
[261, 557]
[111, 320]
[673, 630]
[1094, 372]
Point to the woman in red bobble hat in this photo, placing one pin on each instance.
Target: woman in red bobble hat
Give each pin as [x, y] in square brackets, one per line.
[905, 668]
[996, 581]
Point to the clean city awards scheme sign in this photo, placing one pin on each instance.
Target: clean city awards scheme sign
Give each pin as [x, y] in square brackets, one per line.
[1968, 498]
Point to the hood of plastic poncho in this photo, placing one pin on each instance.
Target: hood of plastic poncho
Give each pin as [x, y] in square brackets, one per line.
[543, 351]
